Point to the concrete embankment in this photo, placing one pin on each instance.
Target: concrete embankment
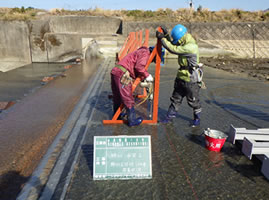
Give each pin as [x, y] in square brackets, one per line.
[65, 38]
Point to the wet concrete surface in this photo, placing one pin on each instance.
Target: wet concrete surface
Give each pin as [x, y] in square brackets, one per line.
[20, 82]
[182, 167]
[30, 126]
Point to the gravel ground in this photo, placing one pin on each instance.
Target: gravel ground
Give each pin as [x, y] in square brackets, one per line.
[256, 68]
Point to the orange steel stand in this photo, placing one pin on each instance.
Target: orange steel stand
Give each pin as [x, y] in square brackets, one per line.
[130, 45]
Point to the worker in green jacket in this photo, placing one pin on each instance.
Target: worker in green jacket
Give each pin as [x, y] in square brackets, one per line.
[188, 75]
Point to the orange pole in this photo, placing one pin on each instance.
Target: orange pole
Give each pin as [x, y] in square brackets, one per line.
[117, 114]
[131, 48]
[140, 38]
[134, 45]
[146, 42]
[124, 45]
[157, 80]
[127, 47]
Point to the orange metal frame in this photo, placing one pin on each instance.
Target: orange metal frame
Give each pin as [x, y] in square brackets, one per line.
[132, 43]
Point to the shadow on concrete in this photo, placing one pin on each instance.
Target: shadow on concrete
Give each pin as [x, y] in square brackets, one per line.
[102, 102]
[87, 150]
[162, 114]
[241, 110]
[11, 184]
[251, 170]
[197, 139]
[229, 153]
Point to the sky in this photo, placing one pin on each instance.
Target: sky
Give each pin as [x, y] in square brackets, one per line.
[212, 5]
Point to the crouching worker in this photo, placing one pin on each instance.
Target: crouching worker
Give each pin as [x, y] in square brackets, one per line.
[128, 69]
[188, 78]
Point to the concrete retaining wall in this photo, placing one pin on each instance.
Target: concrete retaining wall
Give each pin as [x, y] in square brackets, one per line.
[14, 45]
[84, 25]
[52, 39]
[59, 38]
[39, 28]
[242, 39]
[14, 41]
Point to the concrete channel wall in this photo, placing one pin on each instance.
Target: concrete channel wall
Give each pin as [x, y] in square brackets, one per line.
[82, 25]
[64, 38]
[53, 39]
[14, 45]
[14, 41]
[247, 40]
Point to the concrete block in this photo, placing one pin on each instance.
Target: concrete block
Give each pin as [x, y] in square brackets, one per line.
[251, 147]
[241, 133]
[265, 166]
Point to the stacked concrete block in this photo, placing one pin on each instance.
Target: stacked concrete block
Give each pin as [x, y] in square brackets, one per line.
[254, 142]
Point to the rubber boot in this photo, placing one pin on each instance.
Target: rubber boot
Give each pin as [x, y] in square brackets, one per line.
[171, 113]
[196, 119]
[132, 120]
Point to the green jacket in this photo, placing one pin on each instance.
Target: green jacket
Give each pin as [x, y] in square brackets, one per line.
[188, 56]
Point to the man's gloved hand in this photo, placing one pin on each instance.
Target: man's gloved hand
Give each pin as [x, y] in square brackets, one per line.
[149, 78]
[159, 35]
[165, 32]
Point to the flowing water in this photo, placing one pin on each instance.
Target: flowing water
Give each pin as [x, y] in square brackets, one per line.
[18, 83]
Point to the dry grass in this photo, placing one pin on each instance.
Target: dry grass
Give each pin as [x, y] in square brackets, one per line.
[21, 14]
[167, 15]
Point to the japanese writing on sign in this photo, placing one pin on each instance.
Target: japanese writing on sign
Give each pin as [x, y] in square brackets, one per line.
[122, 157]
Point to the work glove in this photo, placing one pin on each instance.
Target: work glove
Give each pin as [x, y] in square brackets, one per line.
[159, 35]
[165, 32]
[149, 78]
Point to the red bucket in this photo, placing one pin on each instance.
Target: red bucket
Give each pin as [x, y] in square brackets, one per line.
[214, 139]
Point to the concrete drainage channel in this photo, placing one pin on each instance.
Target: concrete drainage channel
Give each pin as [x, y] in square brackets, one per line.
[47, 176]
